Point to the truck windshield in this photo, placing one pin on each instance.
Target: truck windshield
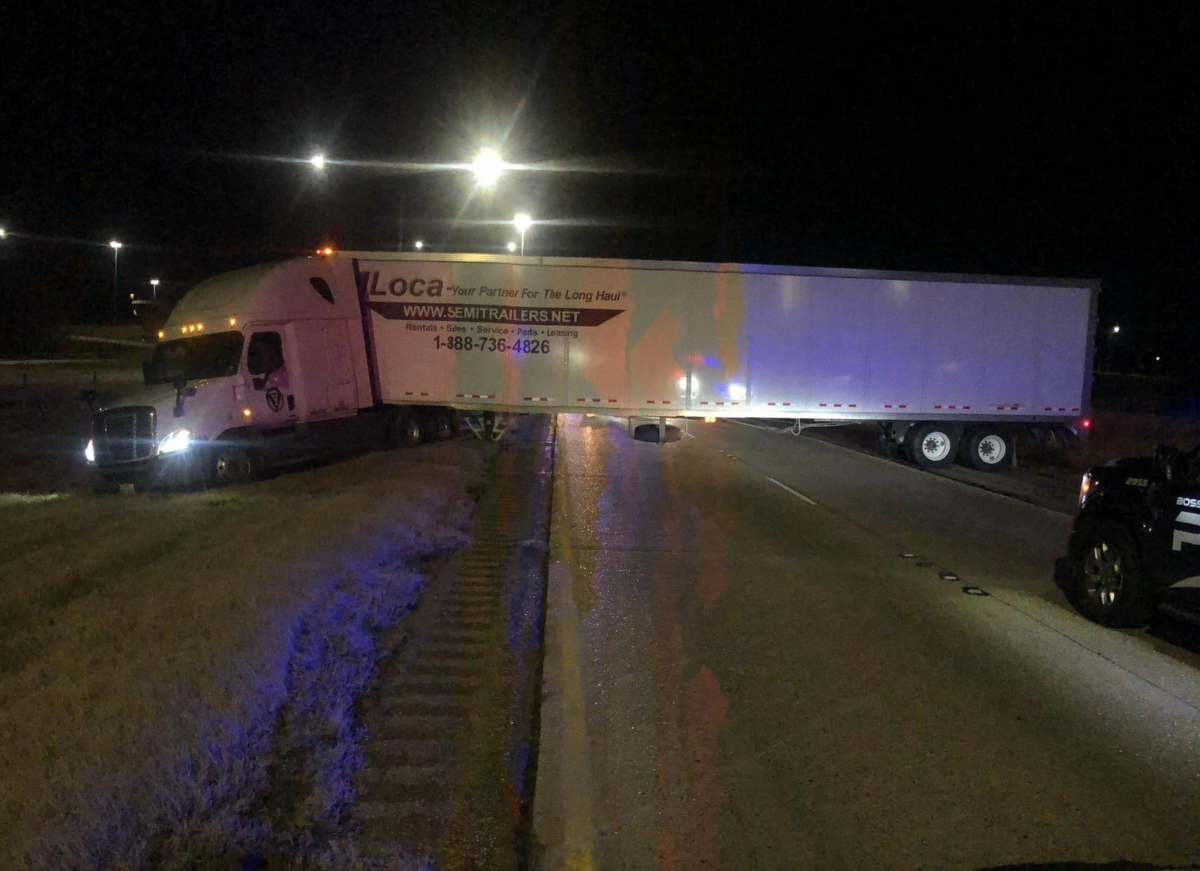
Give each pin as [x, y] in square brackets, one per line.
[212, 356]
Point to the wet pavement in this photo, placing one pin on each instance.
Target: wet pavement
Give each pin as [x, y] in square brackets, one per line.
[744, 670]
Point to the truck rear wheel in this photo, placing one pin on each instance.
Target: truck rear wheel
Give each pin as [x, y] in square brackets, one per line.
[403, 430]
[438, 426]
[1107, 584]
[987, 449]
[933, 445]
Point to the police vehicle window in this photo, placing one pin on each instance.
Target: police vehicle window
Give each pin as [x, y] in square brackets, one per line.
[265, 354]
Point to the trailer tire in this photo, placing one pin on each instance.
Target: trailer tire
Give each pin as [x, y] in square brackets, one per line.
[404, 429]
[933, 445]
[1107, 585]
[988, 449]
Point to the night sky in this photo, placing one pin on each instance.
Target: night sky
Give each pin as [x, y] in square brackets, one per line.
[1057, 139]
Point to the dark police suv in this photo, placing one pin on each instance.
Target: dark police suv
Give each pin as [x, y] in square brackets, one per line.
[1136, 534]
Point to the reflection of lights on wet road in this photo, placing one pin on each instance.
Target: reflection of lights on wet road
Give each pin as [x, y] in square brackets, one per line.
[615, 586]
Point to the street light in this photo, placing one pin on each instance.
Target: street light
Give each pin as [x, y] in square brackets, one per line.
[418, 244]
[487, 166]
[154, 292]
[3, 232]
[116, 248]
[317, 161]
[1116, 328]
[522, 222]
[512, 246]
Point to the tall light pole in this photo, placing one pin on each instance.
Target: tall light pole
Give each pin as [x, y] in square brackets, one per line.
[317, 161]
[116, 248]
[522, 222]
[487, 166]
[154, 291]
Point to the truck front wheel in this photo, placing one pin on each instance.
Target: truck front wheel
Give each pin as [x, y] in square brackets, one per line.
[234, 464]
[1107, 584]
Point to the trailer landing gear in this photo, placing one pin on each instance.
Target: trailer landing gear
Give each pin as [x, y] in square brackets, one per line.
[489, 426]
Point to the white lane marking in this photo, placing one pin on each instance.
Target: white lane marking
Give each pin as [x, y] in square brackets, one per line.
[743, 423]
[939, 476]
[795, 493]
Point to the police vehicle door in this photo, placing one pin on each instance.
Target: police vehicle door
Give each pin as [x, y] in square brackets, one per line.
[1184, 557]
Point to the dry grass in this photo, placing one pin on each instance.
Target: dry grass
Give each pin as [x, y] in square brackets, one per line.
[176, 672]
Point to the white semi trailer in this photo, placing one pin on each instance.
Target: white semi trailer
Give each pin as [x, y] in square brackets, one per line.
[271, 363]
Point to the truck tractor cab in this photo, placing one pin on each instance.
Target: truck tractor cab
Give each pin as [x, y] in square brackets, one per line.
[252, 368]
[1136, 534]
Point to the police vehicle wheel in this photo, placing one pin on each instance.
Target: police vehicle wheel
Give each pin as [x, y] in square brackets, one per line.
[1107, 586]
[987, 449]
[933, 445]
[234, 464]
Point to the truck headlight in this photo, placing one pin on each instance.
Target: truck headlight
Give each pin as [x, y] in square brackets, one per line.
[1085, 487]
[89, 453]
[176, 441]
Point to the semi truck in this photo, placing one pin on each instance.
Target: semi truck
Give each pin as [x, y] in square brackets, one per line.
[273, 363]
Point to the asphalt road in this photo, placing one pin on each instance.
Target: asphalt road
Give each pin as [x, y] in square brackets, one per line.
[742, 671]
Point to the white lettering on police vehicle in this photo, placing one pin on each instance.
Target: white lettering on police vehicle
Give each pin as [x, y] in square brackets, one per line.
[1186, 536]
[1186, 502]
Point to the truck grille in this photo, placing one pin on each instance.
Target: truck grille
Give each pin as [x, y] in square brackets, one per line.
[123, 434]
